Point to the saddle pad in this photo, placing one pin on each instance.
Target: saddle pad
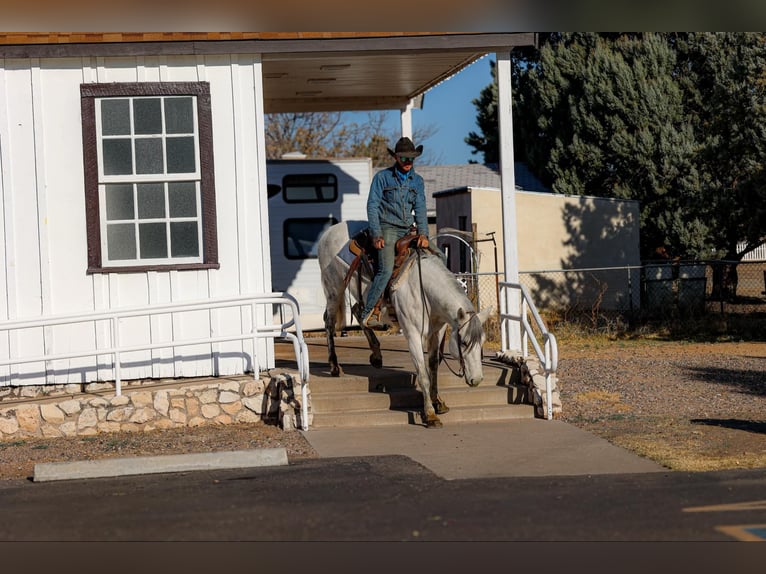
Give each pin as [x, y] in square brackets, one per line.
[403, 270]
[345, 254]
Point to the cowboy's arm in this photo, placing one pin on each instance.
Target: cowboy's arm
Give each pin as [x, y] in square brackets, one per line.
[373, 206]
[421, 217]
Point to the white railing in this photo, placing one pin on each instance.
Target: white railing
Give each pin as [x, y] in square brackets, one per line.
[548, 353]
[257, 331]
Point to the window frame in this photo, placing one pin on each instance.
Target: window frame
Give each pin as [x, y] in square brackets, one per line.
[89, 93]
[287, 185]
[286, 236]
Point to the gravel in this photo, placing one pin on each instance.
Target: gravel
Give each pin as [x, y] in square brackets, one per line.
[686, 406]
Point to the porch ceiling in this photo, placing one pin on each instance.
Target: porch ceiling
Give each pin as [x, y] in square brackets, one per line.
[303, 72]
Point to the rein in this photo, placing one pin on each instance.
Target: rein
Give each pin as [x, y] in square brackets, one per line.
[461, 360]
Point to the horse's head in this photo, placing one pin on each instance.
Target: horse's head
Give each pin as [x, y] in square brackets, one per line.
[466, 342]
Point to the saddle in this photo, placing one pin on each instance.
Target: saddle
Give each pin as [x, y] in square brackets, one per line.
[365, 254]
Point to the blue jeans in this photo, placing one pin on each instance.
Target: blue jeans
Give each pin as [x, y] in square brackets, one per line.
[386, 257]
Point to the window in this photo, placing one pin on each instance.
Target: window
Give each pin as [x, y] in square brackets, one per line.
[307, 188]
[301, 235]
[149, 187]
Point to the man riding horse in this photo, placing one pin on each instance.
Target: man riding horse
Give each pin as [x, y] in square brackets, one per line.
[395, 194]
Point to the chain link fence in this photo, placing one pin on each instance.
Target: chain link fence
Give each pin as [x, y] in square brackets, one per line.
[623, 297]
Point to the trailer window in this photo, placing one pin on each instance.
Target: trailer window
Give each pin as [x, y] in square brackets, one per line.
[310, 188]
[301, 235]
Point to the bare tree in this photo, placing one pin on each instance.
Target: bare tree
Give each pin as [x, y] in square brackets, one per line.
[330, 134]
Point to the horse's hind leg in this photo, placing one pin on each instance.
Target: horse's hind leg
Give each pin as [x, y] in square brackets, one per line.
[332, 358]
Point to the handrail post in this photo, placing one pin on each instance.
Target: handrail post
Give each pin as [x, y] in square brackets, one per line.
[116, 355]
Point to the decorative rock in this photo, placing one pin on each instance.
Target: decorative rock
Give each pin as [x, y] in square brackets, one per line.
[141, 399]
[119, 401]
[177, 416]
[192, 407]
[29, 392]
[256, 404]
[142, 415]
[242, 400]
[228, 397]
[246, 416]
[161, 403]
[28, 417]
[9, 426]
[209, 396]
[232, 408]
[211, 410]
[230, 386]
[70, 407]
[69, 428]
[87, 419]
[251, 388]
[120, 414]
[52, 414]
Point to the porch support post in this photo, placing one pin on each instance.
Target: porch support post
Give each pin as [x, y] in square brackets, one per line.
[508, 195]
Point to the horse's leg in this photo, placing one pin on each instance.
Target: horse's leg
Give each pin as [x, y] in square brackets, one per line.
[414, 342]
[329, 327]
[376, 357]
[440, 407]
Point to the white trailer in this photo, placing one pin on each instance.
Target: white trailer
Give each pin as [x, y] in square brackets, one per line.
[305, 197]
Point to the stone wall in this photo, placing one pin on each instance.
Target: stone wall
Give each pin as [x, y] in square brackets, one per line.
[69, 410]
[532, 375]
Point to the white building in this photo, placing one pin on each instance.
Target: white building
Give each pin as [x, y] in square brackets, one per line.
[134, 173]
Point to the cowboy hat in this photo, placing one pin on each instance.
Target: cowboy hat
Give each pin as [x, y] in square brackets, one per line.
[405, 147]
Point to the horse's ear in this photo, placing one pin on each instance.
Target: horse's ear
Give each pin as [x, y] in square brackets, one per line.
[485, 313]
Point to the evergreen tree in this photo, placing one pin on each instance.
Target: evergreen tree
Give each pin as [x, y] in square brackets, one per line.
[675, 121]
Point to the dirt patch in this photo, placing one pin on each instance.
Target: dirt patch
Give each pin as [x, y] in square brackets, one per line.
[696, 406]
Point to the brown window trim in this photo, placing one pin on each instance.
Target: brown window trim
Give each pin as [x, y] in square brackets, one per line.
[88, 94]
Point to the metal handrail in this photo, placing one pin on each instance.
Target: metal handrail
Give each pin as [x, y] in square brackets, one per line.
[258, 331]
[548, 353]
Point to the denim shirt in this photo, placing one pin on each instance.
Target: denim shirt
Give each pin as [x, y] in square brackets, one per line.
[393, 200]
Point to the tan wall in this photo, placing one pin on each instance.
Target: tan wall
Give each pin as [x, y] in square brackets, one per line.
[557, 232]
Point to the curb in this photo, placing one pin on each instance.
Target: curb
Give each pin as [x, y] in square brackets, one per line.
[46, 472]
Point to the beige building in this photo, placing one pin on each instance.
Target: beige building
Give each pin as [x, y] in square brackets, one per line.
[582, 235]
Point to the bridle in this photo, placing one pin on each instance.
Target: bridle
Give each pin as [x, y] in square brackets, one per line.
[461, 359]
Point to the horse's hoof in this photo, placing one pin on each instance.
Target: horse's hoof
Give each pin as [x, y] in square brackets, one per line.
[376, 362]
[433, 422]
[441, 408]
[336, 372]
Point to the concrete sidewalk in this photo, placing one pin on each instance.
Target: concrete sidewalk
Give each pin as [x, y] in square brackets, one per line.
[523, 447]
[517, 447]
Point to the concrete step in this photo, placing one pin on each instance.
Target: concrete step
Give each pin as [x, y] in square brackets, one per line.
[411, 398]
[384, 380]
[369, 418]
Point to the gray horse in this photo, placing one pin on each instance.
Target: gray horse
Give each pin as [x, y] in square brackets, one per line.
[427, 299]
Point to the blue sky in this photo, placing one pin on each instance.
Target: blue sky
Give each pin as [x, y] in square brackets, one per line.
[448, 108]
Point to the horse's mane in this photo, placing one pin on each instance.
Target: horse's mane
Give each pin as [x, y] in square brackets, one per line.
[473, 329]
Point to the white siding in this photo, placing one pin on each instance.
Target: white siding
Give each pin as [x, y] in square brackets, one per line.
[43, 231]
[301, 277]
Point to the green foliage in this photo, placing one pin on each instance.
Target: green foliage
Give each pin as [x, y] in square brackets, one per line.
[675, 121]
